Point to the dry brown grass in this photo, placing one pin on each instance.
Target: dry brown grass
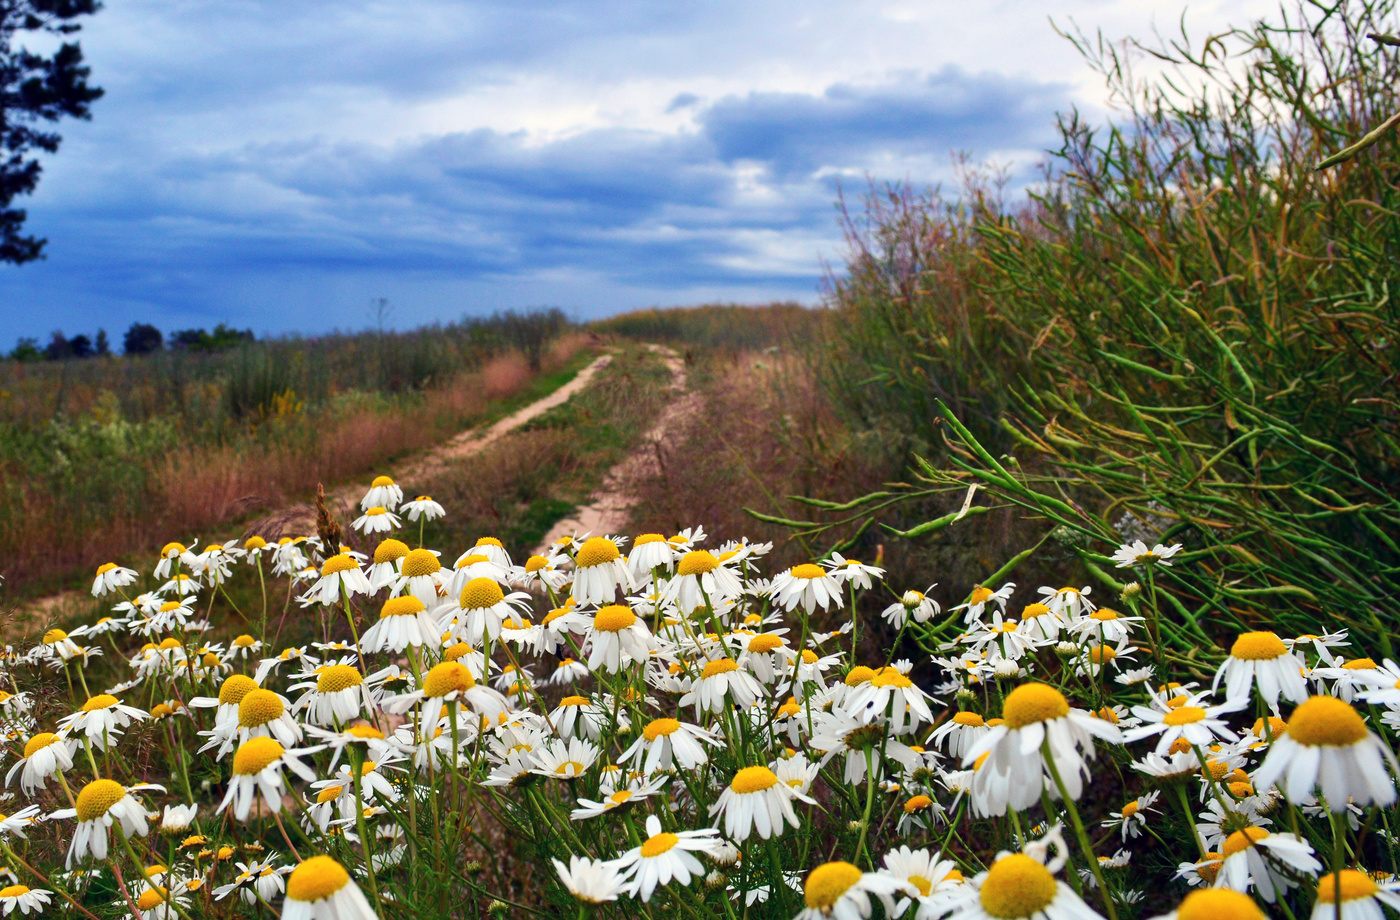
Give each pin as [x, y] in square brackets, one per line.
[203, 489]
[768, 431]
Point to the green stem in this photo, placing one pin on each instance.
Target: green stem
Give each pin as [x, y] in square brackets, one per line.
[1084, 844]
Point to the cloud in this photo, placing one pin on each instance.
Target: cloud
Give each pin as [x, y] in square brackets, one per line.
[276, 166]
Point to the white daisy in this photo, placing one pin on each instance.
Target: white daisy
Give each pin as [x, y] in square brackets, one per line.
[376, 520]
[1137, 553]
[1361, 897]
[592, 881]
[101, 719]
[666, 742]
[99, 805]
[665, 856]
[650, 551]
[1200, 725]
[383, 493]
[338, 573]
[257, 768]
[1013, 774]
[722, 679]
[841, 890]
[24, 899]
[617, 638]
[1020, 886]
[423, 506]
[45, 754]
[320, 889]
[756, 801]
[599, 571]
[403, 621]
[1329, 749]
[1268, 863]
[110, 577]
[807, 586]
[1261, 658]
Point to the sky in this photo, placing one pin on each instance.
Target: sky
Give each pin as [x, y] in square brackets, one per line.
[280, 165]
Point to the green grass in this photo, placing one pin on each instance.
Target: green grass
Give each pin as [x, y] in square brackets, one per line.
[1189, 324]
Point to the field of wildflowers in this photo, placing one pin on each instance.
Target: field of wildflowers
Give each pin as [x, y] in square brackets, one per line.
[660, 726]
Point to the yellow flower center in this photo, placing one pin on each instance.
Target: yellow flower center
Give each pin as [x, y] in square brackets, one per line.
[980, 595]
[259, 707]
[535, 563]
[1103, 615]
[719, 666]
[97, 797]
[1030, 703]
[254, 543]
[235, 688]
[337, 677]
[160, 711]
[661, 843]
[968, 718]
[481, 593]
[890, 677]
[380, 482]
[101, 701]
[596, 551]
[1034, 610]
[1218, 904]
[456, 651]
[1277, 727]
[106, 567]
[574, 701]
[38, 743]
[808, 571]
[858, 675]
[472, 559]
[1017, 886]
[1326, 720]
[646, 538]
[255, 754]
[170, 550]
[1353, 884]
[613, 618]
[420, 562]
[405, 606]
[827, 883]
[316, 879]
[376, 512]
[54, 635]
[1184, 715]
[1258, 646]
[328, 794]
[697, 562]
[365, 731]
[339, 563]
[658, 727]
[620, 797]
[444, 678]
[1242, 840]
[166, 608]
[151, 898]
[1360, 664]
[13, 891]
[917, 803]
[390, 550]
[921, 883]
[170, 643]
[244, 641]
[809, 656]
[765, 642]
[753, 779]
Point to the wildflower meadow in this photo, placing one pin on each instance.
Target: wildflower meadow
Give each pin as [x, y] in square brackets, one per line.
[661, 726]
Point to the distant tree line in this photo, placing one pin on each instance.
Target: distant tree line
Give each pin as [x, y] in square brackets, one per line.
[140, 339]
